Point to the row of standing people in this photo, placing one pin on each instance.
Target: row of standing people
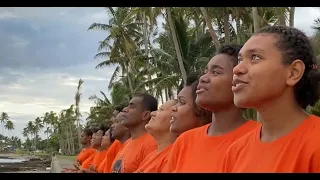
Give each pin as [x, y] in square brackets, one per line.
[204, 129]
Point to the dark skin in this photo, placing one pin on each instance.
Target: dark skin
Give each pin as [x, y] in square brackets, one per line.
[262, 71]
[183, 116]
[159, 125]
[214, 94]
[105, 144]
[119, 131]
[135, 117]
[114, 114]
[85, 140]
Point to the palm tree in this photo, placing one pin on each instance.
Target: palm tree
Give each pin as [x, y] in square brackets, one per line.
[9, 126]
[3, 119]
[176, 44]
[124, 32]
[77, 110]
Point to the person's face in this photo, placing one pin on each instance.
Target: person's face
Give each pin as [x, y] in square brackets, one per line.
[106, 139]
[97, 138]
[260, 76]
[118, 129]
[160, 119]
[84, 138]
[183, 116]
[114, 114]
[214, 89]
[134, 114]
[93, 135]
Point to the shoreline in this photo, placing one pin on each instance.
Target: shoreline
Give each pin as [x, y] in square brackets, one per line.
[31, 164]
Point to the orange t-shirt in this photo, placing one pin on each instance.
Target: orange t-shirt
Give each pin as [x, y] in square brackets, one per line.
[196, 152]
[84, 154]
[154, 162]
[131, 156]
[97, 159]
[298, 152]
[87, 163]
[105, 166]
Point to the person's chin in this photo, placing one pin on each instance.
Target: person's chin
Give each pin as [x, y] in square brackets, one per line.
[241, 101]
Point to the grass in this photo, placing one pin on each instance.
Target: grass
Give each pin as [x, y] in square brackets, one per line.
[72, 158]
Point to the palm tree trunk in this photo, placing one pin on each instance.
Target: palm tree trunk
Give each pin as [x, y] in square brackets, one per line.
[176, 45]
[211, 30]
[256, 19]
[78, 129]
[238, 26]
[146, 45]
[161, 97]
[129, 80]
[281, 15]
[166, 94]
[72, 140]
[291, 18]
[226, 27]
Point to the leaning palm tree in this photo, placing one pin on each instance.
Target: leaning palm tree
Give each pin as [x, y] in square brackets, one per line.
[125, 35]
[77, 110]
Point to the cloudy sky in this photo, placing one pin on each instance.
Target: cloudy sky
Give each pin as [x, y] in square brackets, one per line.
[45, 51]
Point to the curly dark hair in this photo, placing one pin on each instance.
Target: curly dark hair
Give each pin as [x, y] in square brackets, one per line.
[232, 50]
[204, 115]
[294, 44]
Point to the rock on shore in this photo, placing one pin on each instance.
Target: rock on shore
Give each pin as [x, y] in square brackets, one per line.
[30, 164]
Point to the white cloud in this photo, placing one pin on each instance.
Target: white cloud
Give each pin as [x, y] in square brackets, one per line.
[37, 92]
[304, 18]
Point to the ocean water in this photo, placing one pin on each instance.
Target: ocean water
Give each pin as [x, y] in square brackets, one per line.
[5, 160]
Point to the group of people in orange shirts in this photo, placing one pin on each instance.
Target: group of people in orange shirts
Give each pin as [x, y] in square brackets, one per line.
[204, 129]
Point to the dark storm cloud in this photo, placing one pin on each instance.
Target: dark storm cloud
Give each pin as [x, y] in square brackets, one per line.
[27, 43]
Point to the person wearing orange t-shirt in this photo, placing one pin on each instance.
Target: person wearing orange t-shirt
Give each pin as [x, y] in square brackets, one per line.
[121, 134]
[106, 142]
[87, 150]
[159, 128]
[277, 75]
[87, 163]
[135, 117]
[202, 150]
[186, 114]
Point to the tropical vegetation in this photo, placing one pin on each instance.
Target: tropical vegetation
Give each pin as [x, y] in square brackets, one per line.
[153, 50]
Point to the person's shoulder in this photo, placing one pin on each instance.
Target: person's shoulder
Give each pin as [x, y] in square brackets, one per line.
[311, 133]
[91, 150]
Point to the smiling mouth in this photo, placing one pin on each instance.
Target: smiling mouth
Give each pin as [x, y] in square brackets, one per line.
[201, 90]
[238, 87]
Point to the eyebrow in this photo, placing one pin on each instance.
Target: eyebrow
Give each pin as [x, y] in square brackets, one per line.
[214, 66]
[253, 51]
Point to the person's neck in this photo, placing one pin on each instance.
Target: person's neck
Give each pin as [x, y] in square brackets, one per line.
[280, 116]
[96, 147]
[103, 148]
[226, 120]
[138, 131]
[164, 140]
[125, 137]
[86, 146]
